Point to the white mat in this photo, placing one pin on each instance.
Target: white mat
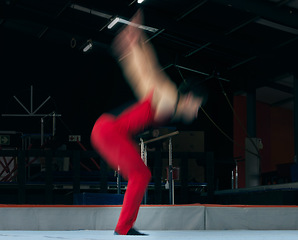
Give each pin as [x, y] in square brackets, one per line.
[153, 235]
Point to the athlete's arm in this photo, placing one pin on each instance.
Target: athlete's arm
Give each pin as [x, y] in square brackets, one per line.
[140, 65]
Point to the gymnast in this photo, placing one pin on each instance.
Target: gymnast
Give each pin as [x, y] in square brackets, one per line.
[159, 101]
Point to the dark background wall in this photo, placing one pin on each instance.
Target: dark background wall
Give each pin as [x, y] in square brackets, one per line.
[275, 126]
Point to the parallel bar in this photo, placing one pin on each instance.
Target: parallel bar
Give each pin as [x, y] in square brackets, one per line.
[162, 137]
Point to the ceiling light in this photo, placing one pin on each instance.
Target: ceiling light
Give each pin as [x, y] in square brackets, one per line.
[88, 46]
[115, 20]
[140, 1]
[113, 23]
[121, 20]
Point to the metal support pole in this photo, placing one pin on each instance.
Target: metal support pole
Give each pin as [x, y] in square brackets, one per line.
[143, 151]
[76, 172]
[118, 181]
[295, 118]
[232, 181]
[21, 177]
[49, 177]
[146, 163]
[42, 132]
[184, 177]
[251, 113]
[236, 176]
[54, 124]
[31, 99]
[103, 176]
[157, 177]
[210, 176]
[252, 162]
[143, 154]
[171, 181]
[144, 158]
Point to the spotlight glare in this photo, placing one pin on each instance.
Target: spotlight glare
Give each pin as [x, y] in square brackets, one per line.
[140, 1]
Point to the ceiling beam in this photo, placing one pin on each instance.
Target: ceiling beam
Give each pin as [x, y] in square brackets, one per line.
[264, 9]
[198, 35]
[19, 13]
[193, 8]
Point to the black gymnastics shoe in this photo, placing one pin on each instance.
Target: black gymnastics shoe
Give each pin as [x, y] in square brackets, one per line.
[133, 232]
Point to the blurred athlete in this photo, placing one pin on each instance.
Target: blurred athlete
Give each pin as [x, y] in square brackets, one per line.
[159, 101]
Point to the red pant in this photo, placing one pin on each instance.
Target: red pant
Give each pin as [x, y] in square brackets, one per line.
[111, 137]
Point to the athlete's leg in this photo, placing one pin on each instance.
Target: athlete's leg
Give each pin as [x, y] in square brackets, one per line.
[119, 150]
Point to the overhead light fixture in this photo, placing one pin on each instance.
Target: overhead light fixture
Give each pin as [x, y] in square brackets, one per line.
[115, 20]
[140, 1]
[113, 23]
[121, 20]
[88, 46]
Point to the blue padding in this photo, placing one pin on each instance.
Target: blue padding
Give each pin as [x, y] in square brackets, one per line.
[98, 199]
[294, 172]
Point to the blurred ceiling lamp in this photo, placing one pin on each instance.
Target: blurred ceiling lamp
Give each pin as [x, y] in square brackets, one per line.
[121, 20]
[88, 46]
[140, 1]
[115, 20]
[113, 23]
